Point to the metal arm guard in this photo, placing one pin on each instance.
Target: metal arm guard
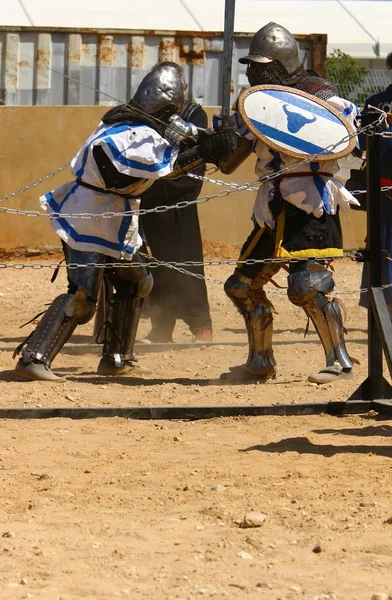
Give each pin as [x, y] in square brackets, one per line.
[257, 313]
[188, 160]
[244, 149]
[309, 289]
[56, 327]
[211, 148]
[122, 321]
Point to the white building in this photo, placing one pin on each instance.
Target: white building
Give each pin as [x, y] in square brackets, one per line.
[96, 51]
[361, 28]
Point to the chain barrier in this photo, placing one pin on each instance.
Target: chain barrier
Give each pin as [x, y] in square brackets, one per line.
[157, 263]
[233, 187]
[174, 267]
[152, 263]
[178, 266]
[238, 186]
[34, 184]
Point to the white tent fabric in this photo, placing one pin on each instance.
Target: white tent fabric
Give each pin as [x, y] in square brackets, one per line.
[354, 26]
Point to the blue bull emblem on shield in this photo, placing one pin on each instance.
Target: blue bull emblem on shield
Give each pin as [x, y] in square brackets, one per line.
[295, 121]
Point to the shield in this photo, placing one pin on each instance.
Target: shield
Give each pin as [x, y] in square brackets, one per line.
[296, 123]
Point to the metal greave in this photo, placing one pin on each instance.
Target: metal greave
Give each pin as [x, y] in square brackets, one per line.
[327, 320]
[121, 328]
[52, 332]
[335, 324]
[259, 329]
[258, 321]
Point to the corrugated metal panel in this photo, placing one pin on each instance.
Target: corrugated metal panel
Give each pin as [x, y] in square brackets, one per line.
[85, 67]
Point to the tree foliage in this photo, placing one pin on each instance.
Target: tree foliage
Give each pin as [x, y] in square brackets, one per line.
[345, 72]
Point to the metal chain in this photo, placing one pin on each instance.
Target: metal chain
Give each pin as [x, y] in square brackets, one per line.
[154, 263]
[184, 204]
[238, 186]
[188, 263]
[174, 267]
[35, 183]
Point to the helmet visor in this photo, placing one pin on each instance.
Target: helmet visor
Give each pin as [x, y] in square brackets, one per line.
[254, 58]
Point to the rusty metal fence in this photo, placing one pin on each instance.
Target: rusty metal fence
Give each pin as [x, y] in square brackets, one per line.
[44, 66]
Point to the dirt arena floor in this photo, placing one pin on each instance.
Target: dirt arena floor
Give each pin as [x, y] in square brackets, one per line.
[157, 510]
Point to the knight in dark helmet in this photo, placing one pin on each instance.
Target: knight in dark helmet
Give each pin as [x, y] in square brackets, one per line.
[294, 216]
[134, 145]
[273, 58]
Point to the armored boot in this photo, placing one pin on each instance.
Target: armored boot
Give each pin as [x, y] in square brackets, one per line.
[308, 290]
[119, 337]
[257, 312]
[57, 325]
[261, 359]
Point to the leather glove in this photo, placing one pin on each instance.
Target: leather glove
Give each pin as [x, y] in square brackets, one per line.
[219, 145]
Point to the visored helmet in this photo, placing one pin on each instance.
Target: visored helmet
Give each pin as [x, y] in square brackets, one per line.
[274, 43]
[161, 92]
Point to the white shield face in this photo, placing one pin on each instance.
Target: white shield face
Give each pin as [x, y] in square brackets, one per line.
[295, 122]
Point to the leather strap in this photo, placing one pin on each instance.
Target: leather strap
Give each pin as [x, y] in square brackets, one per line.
[102, 190]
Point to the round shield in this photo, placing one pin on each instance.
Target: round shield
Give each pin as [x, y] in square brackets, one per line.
[295, 123]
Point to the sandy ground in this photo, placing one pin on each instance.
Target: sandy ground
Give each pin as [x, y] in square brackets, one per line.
[115, 508]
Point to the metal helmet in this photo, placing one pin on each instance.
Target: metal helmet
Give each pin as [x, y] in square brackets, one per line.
[274, 43]
[161, 91]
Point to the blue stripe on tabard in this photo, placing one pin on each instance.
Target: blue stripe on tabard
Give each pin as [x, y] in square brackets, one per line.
[112, 130]
[323, 191]
[303, 103]
[135, 164]
[290, 140]
[118, 128]
[127, 220]
[92, 239]
[348, 110]
[71, 191]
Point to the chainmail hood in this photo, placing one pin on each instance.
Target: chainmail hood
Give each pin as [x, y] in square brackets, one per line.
[274, 73]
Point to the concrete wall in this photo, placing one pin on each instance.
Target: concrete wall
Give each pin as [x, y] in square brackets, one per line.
[34, 141]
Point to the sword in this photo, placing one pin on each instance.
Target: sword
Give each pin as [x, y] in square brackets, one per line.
[227, 60]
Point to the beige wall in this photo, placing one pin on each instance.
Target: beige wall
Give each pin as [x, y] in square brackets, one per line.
[34, 141]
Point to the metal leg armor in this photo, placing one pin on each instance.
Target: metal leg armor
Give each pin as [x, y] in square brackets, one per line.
[249, 297]
[121, 328]
[309, 290]
[62, 317]
[122, 321]
[57, 325]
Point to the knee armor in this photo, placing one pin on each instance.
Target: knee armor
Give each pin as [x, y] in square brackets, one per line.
[309, 290]
[144, 286]
[303, 286]
[257, 314]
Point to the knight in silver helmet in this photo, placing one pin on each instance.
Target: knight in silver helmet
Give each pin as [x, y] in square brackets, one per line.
[161, 90]
[122, 158]
[295, 216]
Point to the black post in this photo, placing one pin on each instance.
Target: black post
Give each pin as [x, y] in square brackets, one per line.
[375, 387]
[374, 246]
[227, 59]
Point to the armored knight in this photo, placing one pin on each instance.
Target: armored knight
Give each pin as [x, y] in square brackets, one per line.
[134, 144]
[295, 215]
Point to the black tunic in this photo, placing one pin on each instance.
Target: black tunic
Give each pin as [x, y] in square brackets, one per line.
[175, 236]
